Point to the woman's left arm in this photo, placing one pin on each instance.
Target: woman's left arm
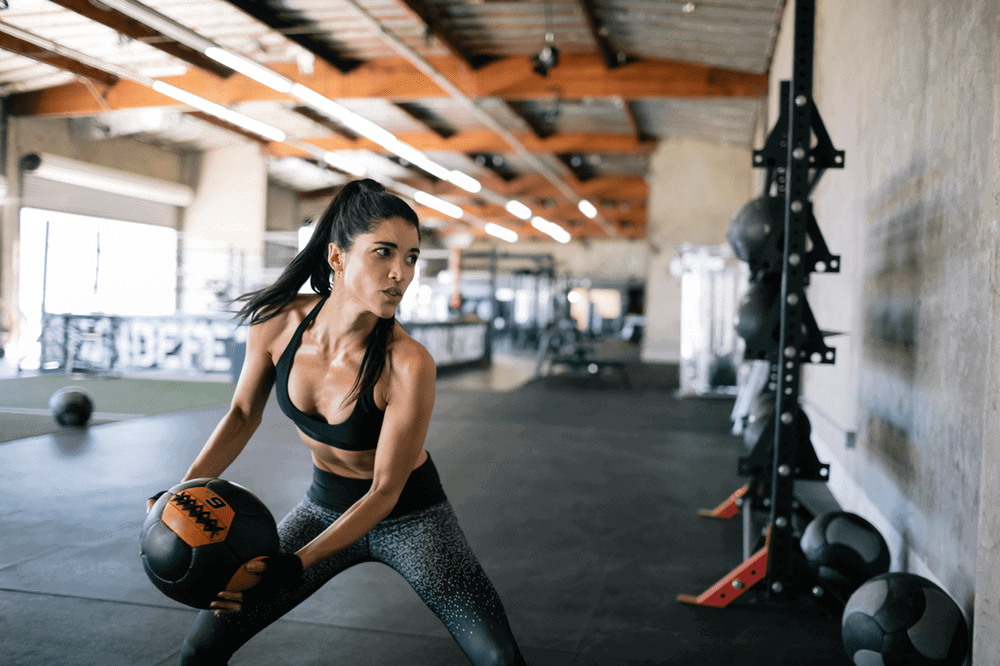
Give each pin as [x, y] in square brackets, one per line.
[410, 401]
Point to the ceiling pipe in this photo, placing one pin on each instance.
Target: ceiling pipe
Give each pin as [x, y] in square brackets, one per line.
[438, 78]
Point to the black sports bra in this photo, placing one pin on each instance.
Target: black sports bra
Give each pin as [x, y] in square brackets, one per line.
[361, 429]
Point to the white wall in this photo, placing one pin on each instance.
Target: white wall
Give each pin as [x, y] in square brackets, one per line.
[694, 189]
[223, 229]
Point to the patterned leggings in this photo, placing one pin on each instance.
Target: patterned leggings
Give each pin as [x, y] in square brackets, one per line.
[427, 547]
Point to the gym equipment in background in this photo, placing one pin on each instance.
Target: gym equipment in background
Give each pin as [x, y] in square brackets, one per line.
[782, 244]
[844, 550]
[198, 536]
[902, 619]
[71, 406]
[711, 279]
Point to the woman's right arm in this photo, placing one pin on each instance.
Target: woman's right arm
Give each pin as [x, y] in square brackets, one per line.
[244, 415]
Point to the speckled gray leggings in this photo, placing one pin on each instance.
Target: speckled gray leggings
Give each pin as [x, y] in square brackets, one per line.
[427, 547]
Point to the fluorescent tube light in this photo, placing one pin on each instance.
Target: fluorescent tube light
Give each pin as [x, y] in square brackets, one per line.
[415, 157]
[587, 208]
[441, 205]
[344, 164]
[219, 111]
[551, 228]
[343, 115]
[369, 130]
[255, 126]
[518, 209]
[466, 182]
[318, 102]
[254, 70]
[503, 233]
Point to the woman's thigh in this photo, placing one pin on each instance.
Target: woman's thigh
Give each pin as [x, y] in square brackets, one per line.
[214, 638]
[429, 549]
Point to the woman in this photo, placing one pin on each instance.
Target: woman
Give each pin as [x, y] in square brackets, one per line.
[360, 390]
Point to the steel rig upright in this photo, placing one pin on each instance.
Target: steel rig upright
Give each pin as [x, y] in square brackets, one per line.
[794, 166]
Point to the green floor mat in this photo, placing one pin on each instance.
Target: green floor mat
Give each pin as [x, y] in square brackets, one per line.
[24, 400]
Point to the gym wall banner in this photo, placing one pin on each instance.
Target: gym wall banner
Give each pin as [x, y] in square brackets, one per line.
[104, 343]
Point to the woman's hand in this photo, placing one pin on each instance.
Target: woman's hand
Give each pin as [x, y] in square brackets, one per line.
[152, 500]
[232, 602]
[286, 570]
[227, 602]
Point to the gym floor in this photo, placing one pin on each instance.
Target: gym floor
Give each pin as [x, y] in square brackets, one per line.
[579, 496]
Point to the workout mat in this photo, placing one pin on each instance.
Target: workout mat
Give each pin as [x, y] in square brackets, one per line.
[580, 503]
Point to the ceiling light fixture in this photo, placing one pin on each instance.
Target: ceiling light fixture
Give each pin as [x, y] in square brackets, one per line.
[551, 228]
[343, 164]
[503, 233]
[548, 57]
[437, 204]
[345, 116]
[587, 208]
[369, 130]
[162, 24]
[254, 70]
[466, 182]
[416, 158]
[518, 209]
[220, 112]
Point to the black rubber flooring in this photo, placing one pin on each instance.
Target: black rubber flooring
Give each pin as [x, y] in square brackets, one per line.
[579, 497]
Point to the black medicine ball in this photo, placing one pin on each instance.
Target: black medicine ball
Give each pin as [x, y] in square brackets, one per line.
[844, 550]
[71, 406]
[200, 534]
[902, 619]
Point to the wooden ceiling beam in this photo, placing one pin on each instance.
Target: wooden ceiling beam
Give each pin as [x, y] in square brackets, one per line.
[142, 33]
[29, 50]
[395, 79]
[485, 141]
[614, 188]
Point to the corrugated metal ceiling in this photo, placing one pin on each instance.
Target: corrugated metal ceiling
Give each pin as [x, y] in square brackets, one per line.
[736, 35]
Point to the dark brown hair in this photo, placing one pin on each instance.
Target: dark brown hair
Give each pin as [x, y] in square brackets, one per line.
[357, 208]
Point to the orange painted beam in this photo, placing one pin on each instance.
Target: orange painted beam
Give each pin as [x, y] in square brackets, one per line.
[29, 50]
[143, 33]
[485, 141]
[396, 79]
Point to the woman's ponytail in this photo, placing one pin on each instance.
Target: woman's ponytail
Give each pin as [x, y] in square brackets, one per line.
[356, 209]
[347, 215]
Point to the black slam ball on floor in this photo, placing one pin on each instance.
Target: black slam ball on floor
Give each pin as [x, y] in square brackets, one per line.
[844, 550]
[71, 406]
[901, 619]
[198, 536]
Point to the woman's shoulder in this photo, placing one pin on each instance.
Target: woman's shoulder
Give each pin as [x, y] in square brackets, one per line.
[283, 323]
[409, 355]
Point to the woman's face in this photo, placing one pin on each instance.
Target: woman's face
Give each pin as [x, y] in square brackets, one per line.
[380, 265]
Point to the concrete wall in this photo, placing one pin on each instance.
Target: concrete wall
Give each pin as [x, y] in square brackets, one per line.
[223, 229]
[282, 209]
[909, 90]
[694, 189]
